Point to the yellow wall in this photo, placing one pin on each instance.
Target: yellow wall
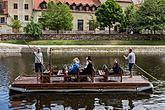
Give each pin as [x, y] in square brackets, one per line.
[83, 16]
[21, 12]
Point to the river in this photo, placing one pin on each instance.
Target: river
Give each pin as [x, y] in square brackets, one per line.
[11, 65]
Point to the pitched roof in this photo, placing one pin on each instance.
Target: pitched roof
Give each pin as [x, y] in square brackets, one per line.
[83, 2]
[77, 2]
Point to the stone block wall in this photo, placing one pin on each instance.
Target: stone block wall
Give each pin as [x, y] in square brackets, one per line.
[85, 37]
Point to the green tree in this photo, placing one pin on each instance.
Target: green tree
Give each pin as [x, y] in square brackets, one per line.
[109, 13]
[129, 20]
[93, 24]
[34, 29]
[57, 17]
[16, 25]
[152, 16]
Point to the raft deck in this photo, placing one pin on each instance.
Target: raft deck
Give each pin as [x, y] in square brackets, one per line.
[30, 84]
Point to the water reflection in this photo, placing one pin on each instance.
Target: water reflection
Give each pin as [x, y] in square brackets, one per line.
[77, 101]
[4, 98]
[4, 91]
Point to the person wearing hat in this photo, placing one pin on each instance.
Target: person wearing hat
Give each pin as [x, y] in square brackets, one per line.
[89, 66]
[38, 60]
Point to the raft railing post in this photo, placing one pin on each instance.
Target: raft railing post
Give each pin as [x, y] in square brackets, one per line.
[64, 72]
[78, 75]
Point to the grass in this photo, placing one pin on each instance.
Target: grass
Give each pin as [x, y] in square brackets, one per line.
[86, 42]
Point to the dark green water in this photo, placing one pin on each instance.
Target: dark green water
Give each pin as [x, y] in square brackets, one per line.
[13, 65]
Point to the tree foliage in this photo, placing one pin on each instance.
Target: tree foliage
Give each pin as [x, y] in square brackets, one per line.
[57, 17]
[151, 15]
[93, 23]
[16, 25]
[129, 20]
[34, 29]
[109, 13]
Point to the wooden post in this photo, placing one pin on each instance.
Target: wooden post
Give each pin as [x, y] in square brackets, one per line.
[64, 72]
[78, 75]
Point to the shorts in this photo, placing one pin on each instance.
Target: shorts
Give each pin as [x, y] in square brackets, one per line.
[130, 66]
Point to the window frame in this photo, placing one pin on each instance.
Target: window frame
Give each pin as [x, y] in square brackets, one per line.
[15, 6]
[26, 18]
[26, 6]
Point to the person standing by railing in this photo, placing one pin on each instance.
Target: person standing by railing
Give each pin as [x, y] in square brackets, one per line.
[131, 61]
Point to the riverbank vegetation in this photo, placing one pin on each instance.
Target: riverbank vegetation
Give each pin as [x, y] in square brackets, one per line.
[86, 42]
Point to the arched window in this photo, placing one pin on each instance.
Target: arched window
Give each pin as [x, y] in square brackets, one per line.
[73, 6]
[86, 7]
[80, 7]
[43, 5]
[93, 8]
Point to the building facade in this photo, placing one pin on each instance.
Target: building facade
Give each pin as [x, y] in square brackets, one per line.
[25, 10]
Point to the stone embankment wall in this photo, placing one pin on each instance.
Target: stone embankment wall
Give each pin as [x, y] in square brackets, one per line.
[93, 49]
[86, 37]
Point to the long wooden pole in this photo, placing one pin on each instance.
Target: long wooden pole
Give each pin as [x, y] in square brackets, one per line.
[146, 72]
[35, 56]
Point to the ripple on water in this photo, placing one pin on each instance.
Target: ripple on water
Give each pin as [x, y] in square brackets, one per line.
[4, 75]
[4, 98]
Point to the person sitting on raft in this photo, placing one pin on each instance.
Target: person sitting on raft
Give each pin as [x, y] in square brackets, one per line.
[88, 70]
[75, 67]
[116, 67]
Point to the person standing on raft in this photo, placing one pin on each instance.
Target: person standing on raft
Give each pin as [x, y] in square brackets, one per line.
[38, 61]
[131, 61]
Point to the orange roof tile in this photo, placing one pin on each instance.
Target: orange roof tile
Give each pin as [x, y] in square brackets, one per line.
[83, 2]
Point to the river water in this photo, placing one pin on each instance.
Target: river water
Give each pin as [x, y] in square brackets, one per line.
[12, 65]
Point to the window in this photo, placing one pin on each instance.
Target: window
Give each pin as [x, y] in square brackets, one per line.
[15, 6]
[2, 20]
[26, 18]
[15, 17]
[80, 25]
[43, 5]
[26, 6]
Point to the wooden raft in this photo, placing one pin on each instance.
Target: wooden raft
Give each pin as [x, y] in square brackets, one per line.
[30, 84]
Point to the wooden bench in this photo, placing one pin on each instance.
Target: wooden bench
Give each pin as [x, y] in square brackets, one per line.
[107, 74]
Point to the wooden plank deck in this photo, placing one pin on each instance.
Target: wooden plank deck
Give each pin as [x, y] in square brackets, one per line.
[33, 80]
[29, 83]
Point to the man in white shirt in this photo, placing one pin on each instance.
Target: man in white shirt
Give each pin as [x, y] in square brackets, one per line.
[38, 60]
[131, 60]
